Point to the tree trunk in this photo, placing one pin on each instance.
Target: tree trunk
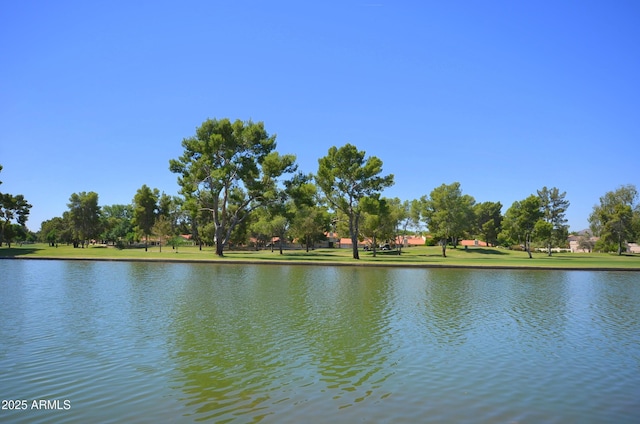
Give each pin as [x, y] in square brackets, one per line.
[354, 244]
[195, 235]
[527, 246]
[619, 246]
[443, 243]
[375, 245]
[353, 229]
[219, 239]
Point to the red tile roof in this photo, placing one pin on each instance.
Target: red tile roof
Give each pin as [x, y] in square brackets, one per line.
[473, 243]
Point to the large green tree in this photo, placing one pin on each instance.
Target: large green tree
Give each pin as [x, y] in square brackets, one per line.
[520, 220]
[117, 223]
[51, 231]
[346, 177]
[554, 207]
[488, 221]
[448, 214]
[230, 169]
[615, 219]
[376, 220]
[14, 209]
[145, 211]
[84, 214]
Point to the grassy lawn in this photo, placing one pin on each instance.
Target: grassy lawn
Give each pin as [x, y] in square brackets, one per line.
[413, 256]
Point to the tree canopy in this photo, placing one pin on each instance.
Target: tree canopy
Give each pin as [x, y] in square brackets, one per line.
[14, 210]
[554, 207]
[85, 216]
[230, 169]
[488, 221]
[448, 213]
[345, 177]
[617, 218]
[520, 221]
[145, 211]
[234, 190]
[377, 220]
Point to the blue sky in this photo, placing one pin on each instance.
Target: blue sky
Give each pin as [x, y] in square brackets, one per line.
[503, 96]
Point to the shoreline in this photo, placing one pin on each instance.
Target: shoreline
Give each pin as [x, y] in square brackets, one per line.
[224, 261]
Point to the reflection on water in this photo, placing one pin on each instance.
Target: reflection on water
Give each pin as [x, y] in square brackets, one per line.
[148, 342]
[245, 345]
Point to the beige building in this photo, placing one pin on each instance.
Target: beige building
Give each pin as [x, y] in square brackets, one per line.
[574, 245]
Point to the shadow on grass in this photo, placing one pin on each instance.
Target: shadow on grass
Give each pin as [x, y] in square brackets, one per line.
[289, 255]
[380, 253]
[479, 250]
[300, 258]
[13, 252]
[307, 255]
[484, 251]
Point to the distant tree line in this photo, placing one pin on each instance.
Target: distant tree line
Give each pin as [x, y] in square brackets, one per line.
[237, 190]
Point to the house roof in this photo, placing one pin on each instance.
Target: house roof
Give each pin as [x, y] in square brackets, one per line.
[411, 240]
[473, 243]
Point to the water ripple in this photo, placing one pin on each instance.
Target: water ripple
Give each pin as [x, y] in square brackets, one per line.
[140, 343]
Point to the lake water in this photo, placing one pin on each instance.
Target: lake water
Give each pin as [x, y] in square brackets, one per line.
[156, 342]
